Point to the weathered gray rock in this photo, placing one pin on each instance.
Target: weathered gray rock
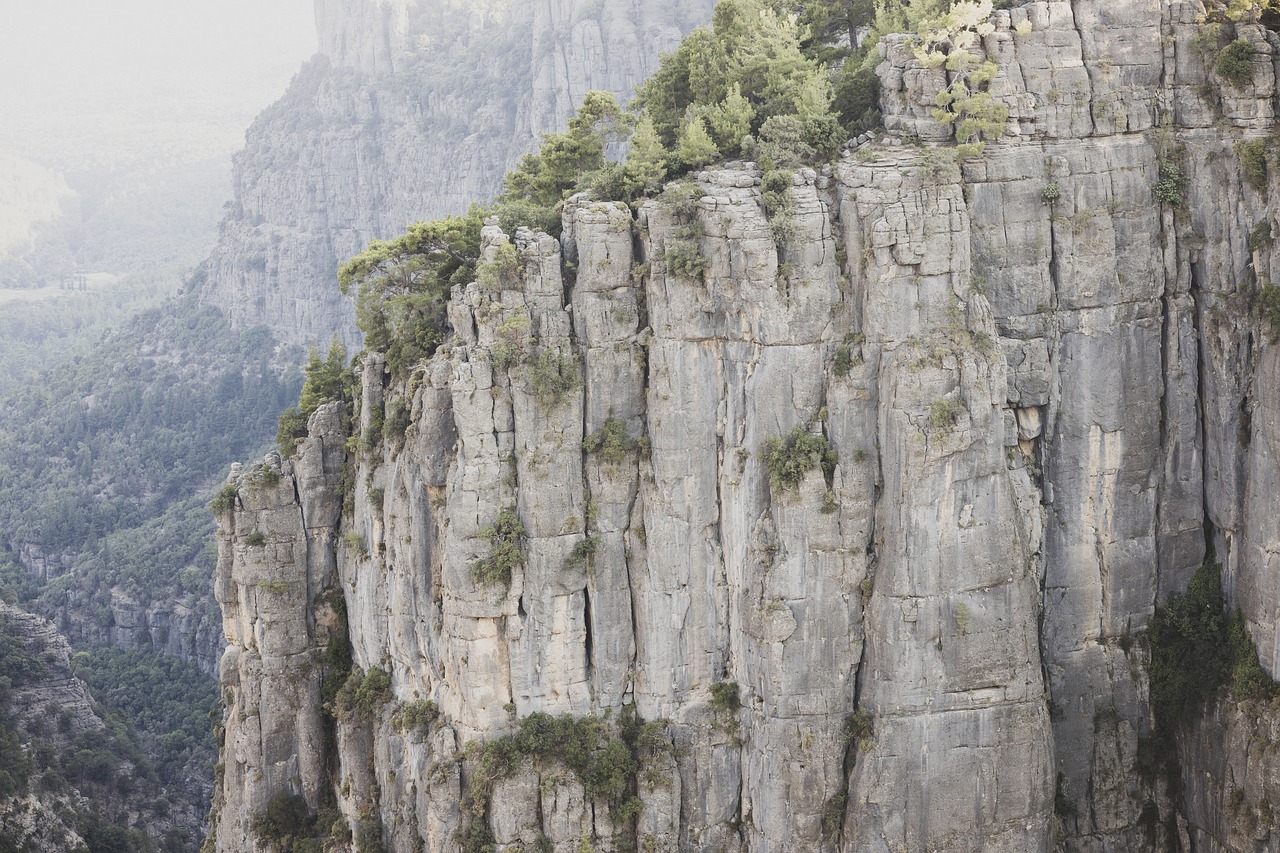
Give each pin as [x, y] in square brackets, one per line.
[1044, 410]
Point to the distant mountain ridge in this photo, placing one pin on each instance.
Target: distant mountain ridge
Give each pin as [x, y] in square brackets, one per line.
[412, 110]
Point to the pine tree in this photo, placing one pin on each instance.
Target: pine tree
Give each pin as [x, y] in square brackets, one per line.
[696, 148]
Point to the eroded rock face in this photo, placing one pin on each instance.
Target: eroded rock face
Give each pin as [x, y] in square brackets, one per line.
[1043, 410]
[414, 109]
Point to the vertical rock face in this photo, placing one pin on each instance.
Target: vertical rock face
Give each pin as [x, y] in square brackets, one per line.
[1024, 396]
[414, 109]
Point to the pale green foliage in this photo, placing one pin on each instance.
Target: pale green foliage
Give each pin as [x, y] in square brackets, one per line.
[498, 273]
[952, 40]
[506, 538]
[731, 119]
[695, 147]
[552, 376]
[789, 459]
[750, 57]
[646, 164]
[327, 379]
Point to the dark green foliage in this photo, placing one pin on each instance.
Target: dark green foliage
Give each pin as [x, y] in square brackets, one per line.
[1190, 658]
[127, 443]
[1268, 308]
[1260, 237]
[402, 286]
[789, 459]
[859, 727]
[857, 100]
[417, 716]
[843, 361]
[560, 165]
[397, 421]
[506, 538]
[725, 697]
[369, 837]
[1249, 681]
[583, 553]
[1253, 162]
[225, 499]
[362, 695]
[611, 442]
[285, 818]
[337, 651]
[1235, 63]
[326, 379]
[256, 539]
[750, 49]
[168, 702]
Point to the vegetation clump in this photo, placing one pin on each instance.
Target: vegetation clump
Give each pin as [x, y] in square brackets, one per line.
[327, 379]
[506, 537]
[726, 697]
[583, 553]
[553, 375]
[789, 459]
[362, 694]
[1172, 183]
[225, 499]
[1051, 193]
[1253, 163]
[605, 763]
[944, 413]
[1268, 308]
[1260, 237]
[1235, 63]
[1196, 651]
[611, 442]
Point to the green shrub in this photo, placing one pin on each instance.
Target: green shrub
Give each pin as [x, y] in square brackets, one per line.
[327, 379]
[1268, 308]
[859, 728]
[285, 818]
[789, 459]
[419, 715]
[553, 376]
[1172, 182]
[256, 539]
[499, 273]
[506, 537]
[225, 499]
[1260, 237]
[583, 552]
[1253, 163]
[843, 361]
[1235, 63]
[944, 413]
[1051, 193]
[611, 442]
[362, 695]
[684, 258]
[726, 697]
[396, 423]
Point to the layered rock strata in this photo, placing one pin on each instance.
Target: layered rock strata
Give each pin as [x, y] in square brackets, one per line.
[1046, 400]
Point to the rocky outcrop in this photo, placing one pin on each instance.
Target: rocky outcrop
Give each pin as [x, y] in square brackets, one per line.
[413, 110]
[1022, 396]
[84, 782]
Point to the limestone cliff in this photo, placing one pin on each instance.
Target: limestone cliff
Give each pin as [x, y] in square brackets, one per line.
[414, 109]
[1023, 396]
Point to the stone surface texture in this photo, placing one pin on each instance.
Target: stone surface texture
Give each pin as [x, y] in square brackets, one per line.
[1044, 414]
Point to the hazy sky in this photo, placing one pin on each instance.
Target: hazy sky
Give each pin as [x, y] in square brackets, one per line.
[118, 82]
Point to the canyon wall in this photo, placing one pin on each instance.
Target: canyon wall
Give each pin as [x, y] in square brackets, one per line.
[864, 525]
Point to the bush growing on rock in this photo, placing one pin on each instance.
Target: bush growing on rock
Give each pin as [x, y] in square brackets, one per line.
[1235, 63]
